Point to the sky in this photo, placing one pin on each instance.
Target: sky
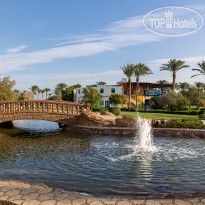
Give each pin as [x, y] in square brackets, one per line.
[76, 41]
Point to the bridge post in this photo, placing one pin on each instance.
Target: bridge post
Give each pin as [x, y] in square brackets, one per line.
[88, 108]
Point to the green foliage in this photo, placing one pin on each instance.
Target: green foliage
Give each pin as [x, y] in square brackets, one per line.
[59, 87]
[191, 124]
[141, 70]
[100, 109]
[127, 116]
[193, 95]
[114, 110]
[101, 83]
[6, 92]
[162, 82]
[117, 99]
[92, 96]
[34, 88]
[200, 70]
[119, 83]
[172, 101]
[173, 66]
[67, 94]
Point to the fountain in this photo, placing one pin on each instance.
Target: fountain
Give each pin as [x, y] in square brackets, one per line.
[108, 165]
[144, 134]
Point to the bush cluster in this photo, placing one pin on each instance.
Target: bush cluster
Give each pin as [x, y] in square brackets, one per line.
[128, 116]
[190, 124]
[100, 109]
[114, 110]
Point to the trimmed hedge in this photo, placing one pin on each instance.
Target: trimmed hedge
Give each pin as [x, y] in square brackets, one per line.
[183, 112]
[190, 124]
[114, 110]
[100, 109]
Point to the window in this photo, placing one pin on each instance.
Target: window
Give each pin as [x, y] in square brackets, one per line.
[107, 103]
[102, 103]
[101, 90]
[112, 90]
[79, 91]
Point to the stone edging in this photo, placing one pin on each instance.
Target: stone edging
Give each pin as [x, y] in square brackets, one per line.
[129, 131]
[23, 193]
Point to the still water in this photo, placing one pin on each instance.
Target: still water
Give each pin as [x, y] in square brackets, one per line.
[38, 151]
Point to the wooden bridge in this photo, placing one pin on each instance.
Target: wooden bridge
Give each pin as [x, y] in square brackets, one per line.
[49, 110]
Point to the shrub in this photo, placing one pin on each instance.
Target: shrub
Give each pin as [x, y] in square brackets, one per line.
[133, 109]
[128, 116]
[100, 109]
[191, 124]
[114, 110]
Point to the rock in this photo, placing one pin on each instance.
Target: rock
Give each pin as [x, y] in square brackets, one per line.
[85, 119]
[95, 113]
[108, 113]
[122, 122]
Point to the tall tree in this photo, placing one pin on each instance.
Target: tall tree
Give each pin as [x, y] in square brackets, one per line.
[118, 99]
[42, 91]
[140, 70]
[35, 89]
[129, 71]
[67, 94]
[6, 92]
[47, 90]
[200, 86]
[101, 83]
[201, 69]
[92, 96]
[173, 66]
[59, 87]
[183, 86]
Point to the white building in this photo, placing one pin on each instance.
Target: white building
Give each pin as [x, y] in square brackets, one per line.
[105, 91]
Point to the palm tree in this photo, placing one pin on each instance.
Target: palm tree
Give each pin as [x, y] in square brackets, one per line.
[59, 87]
[129, 70]
[42, 92]
[162, 82]
[173, 66]
[101, 83]
[35, 89]
[183, 86]
[39, 91]
[140, 70]
[201, 70]
[200, 86]
[47, 90]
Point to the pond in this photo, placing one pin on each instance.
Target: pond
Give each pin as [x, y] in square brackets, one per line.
[38, 151]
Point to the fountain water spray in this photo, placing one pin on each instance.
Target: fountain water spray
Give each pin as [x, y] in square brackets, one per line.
[144, 134]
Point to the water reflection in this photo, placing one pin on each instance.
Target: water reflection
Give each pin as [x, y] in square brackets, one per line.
[102, 165]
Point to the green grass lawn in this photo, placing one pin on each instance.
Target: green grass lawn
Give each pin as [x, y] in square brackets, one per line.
[159, 116]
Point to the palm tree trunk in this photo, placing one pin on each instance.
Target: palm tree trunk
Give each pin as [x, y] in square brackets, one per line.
[46, 95]
[137, 92]
[38, 95]
[174, 78]
[129, 105]
[42, 96]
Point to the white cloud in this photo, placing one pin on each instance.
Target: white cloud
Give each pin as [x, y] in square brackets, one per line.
[117, 35]
[16, 49]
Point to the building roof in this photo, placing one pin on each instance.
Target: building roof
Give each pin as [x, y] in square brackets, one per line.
[150, 83]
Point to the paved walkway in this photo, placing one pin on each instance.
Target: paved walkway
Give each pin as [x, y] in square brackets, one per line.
[23, 193]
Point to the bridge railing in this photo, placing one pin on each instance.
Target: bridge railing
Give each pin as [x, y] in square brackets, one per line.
[47, 106]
